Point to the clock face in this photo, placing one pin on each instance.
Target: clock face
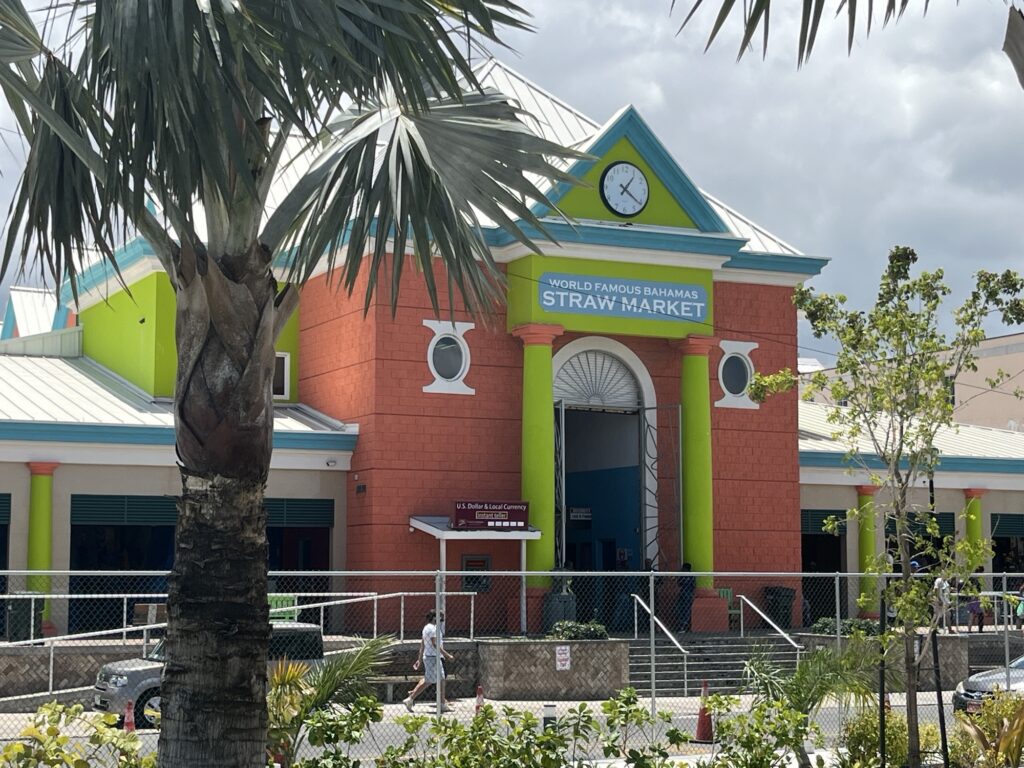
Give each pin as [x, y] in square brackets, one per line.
[624, 189]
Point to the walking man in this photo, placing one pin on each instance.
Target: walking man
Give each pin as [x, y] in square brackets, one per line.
[430, 658]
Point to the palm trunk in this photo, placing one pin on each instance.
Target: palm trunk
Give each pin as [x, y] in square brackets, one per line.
[214, 685]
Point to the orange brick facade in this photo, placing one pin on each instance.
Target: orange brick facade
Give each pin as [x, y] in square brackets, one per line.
[419, 452]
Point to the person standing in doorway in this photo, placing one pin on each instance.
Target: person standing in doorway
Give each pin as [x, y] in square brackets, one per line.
[430, 658]
[684, 600]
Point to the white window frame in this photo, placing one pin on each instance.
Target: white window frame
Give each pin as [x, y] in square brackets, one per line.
[444, 329]
[287, 356]
[741, 349]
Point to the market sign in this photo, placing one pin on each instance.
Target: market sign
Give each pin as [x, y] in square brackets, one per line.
[491, 515]
[622, 297]
[611, 297]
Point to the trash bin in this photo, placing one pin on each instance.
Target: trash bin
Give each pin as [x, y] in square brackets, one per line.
[20, 617]
[557, 606]
[778, 604]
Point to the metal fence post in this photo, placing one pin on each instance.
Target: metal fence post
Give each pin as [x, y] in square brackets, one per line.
[438, 607]
[472, 616]
[839, 617]
[32, 619]
[376, 602]
[124, 621]
[650, 628]
[50, 690]
[1006, 633]
[401, 617]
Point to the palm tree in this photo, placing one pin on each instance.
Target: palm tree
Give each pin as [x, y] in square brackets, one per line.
[297, 691]
[822, 674]
[194, 107]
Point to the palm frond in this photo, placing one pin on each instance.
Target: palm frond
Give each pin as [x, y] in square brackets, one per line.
[756, 15]
[343, 677]
[420, 181]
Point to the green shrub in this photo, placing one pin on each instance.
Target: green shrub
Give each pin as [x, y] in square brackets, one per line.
[97, 742]
[826, 625]
[577, 630]
[860, 738]
[1002, 705]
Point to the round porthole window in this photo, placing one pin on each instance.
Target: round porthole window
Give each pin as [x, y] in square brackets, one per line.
[448, 358]
[736, 374]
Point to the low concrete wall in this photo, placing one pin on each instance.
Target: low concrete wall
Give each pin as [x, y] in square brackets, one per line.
[525, 669]
[953, 658]
[26, 669]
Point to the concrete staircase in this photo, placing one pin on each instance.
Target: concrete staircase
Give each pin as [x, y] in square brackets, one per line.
[717, 659]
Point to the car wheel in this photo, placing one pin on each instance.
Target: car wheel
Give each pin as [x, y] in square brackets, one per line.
[148, 702]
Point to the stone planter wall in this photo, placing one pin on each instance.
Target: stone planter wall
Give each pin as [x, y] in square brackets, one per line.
[953, 660]
[525, 669]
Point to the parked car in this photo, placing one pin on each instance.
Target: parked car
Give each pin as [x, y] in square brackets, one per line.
[138, 680]
[975, 689]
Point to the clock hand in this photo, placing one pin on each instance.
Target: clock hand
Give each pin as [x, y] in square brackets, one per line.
[625, 187]
[631, 195]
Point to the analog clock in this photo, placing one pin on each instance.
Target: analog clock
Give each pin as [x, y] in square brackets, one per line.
[624, 189]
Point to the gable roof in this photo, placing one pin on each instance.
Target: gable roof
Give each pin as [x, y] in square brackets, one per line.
[29, 311]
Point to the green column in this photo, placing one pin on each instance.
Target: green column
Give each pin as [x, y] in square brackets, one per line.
[866, 551]
[698, 502]
[538, 456]
[972, 513]
[40, 525]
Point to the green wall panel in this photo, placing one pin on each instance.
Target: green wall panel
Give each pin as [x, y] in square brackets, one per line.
[5, 508]
[947, 524]
[661, 209]
[525, 284]
[132, 334]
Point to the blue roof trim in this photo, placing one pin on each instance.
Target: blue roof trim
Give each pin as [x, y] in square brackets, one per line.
[681, 241]
[60, 318]
[10, 324]
[776, 262]
[830, 460]
[103, 271]
[139, 435]
[631, 126]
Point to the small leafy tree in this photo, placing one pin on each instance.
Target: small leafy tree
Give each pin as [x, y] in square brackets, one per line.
[892, 374]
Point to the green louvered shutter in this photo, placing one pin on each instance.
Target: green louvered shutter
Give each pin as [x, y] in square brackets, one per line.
[946, 521]
[1008, 525]
[300, 513]
[5, 508]
[812, 521]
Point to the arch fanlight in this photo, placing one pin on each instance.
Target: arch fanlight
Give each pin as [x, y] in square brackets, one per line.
[595, 379]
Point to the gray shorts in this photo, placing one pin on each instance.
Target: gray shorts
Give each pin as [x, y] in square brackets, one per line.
[432, 667]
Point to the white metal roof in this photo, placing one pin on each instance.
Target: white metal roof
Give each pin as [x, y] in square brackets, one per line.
[34, 309]
[963, 440]
[440, 527]
[80, 391]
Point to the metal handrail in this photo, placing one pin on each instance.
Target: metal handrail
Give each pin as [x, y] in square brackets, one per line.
[785, 636]
[672, 638]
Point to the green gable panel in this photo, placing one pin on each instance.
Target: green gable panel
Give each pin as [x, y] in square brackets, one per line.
[1008, 525]
[812, 521]
[5, 508]
[662, 208]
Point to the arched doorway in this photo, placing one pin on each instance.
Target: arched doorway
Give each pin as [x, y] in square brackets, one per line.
[606, 457]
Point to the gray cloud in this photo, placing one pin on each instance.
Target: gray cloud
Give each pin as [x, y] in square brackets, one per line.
[912, 139]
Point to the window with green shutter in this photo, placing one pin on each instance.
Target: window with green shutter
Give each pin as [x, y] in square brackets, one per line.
[103, 509]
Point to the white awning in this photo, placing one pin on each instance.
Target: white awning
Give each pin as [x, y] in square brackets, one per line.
[439, 526]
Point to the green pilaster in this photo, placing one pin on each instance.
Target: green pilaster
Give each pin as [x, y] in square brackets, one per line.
[538, 446]
[973, 514]
[40, 526]
[698, 502]
[866, 541]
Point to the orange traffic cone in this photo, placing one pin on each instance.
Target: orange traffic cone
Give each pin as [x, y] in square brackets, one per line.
[479, 698]
[129, 716]
[705, 731]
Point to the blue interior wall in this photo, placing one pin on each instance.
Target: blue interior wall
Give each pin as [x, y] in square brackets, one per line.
[613, 497]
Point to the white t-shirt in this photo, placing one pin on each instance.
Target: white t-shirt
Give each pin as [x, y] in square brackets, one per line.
[429, 633]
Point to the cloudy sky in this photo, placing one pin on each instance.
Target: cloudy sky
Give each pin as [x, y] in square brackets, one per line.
[917, 138]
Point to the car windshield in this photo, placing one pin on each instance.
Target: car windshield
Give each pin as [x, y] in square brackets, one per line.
[157, 654]
[1017, 663]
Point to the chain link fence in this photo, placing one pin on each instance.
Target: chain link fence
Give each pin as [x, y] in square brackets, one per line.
[517, 640]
